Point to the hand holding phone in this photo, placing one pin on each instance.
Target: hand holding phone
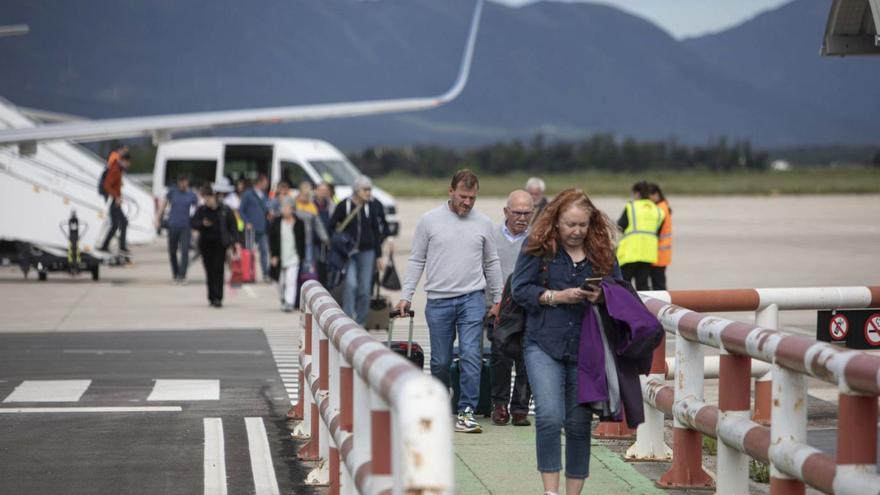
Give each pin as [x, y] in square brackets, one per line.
[591, 283]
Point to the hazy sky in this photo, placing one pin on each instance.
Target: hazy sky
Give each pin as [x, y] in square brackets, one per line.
[685, 18]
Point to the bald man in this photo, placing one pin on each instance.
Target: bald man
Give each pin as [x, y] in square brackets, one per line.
[509, 237]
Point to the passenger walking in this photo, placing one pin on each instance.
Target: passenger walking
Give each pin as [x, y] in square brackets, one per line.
[640, 223]
[305, 198]
[535, 186]
[217, 234]
[572, 241]
[282, 192]
[509, 237]
[287, 247]
[325, 203]
[254, 211]
[454, 244]
[118, 163]
[367, 227]
[664, 241]
[182, 202]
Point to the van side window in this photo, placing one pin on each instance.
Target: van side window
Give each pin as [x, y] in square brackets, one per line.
[247, 161]
[294, 174]
[198, 171]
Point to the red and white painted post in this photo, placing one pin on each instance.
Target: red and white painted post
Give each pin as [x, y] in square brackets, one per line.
[766, 317]
[650, 445]
[296, 412]
[380, 438]
[788, 426]
[687, 444]
[311, 419]
[734, 399]
[856, 443]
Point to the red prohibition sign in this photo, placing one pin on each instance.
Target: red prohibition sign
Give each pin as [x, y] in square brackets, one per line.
[872, 329]
[839, 327]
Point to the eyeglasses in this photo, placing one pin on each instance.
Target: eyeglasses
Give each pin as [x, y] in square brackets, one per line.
[521, 213]
[366, 189]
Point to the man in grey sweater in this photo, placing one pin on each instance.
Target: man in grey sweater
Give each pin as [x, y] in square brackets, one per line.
[455, 245]
[509, 238]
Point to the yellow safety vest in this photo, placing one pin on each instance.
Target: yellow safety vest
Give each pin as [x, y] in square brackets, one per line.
[639, 242]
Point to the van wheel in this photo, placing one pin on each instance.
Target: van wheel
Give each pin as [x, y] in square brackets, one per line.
[43, 276]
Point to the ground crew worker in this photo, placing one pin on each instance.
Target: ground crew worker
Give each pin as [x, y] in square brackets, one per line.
[640, 222]
[664, 241]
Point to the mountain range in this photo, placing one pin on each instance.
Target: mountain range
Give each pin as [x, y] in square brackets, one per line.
[566, 70]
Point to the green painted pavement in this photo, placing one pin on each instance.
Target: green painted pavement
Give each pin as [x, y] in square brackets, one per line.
[501, 460]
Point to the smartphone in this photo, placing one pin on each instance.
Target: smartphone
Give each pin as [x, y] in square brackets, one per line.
[591, 283]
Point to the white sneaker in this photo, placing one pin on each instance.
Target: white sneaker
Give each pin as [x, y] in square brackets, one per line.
[466, 422]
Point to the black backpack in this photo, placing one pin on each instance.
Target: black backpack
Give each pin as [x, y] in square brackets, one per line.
[101, 190]
[510, 326]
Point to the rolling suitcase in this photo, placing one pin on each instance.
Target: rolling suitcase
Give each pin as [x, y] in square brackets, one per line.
[246, 259]
[408, 349]
[484, 404]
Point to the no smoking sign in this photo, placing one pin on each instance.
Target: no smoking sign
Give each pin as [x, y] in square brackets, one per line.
[843, 326]
[872, 329]
[839, 327]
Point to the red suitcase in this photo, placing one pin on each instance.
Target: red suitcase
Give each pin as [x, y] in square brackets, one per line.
[246, 266]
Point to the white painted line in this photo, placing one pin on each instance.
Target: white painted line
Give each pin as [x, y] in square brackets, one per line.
[221, 351]
[33, 410]
[215, 457]
[287, 370]
[49, 391]
[99, 352]
[261, 459]
[249, 291]
[185, 390]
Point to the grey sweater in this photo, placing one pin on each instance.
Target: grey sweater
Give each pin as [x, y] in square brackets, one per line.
[456, 252]
[508, 252]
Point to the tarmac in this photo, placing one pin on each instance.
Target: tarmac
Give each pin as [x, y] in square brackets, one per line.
[725, 242]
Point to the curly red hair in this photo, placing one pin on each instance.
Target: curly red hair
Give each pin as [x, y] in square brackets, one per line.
[598, 243]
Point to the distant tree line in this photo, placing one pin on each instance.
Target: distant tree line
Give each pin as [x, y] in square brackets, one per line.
[602, 152]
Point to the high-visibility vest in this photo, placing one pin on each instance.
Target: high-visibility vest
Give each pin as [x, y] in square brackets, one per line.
[664, 242]
[639, 242]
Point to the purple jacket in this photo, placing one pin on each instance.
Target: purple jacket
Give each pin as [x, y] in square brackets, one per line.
[633, 333]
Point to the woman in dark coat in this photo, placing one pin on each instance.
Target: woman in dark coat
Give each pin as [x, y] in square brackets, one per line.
[287, 251]
[217, 234]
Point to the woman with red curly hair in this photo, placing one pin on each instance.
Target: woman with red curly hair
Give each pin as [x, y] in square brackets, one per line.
[570, 242]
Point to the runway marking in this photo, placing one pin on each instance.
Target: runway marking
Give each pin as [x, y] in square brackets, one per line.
[249, 291]
[261, 460]
[215, 457]
[99, 352]
[185, 390]
[221, 351]
[33, 410]
[49, 391]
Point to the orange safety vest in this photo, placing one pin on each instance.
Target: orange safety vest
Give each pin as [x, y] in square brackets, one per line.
[664, 242]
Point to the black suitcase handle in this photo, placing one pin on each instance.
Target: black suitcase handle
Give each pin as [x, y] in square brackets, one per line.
[396, 314]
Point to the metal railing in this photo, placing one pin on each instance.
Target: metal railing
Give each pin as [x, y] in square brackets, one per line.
[783, 445]
[375, 423]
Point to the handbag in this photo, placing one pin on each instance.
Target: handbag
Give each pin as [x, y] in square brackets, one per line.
[510, 326]
[341, 246]
[390, 280]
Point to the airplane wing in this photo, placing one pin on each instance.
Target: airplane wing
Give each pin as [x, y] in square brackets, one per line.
[160, 127]
[853, 28]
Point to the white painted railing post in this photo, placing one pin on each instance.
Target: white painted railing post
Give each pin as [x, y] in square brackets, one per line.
[766, 317]
[335, 395]
[788, 427]
[650, 444]
[362, 426]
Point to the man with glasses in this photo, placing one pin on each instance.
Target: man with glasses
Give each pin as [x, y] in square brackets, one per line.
[509, 237]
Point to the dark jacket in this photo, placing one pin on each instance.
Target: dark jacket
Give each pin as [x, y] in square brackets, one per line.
[222, 230]
[299, 241]
[254, 210]
[556, 330]
[369, 229]
[632, 333]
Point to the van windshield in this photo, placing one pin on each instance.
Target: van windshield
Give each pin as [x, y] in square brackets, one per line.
[337, 172]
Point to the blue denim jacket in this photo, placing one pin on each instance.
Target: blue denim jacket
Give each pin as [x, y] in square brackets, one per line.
[556, 330]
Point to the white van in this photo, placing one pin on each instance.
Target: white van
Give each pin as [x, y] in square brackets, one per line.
[294, 160]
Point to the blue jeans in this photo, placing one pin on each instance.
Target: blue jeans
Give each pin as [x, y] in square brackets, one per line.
[554, 387]
[178, 241]
[465, 314]
[358, 282]
[261, 239]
